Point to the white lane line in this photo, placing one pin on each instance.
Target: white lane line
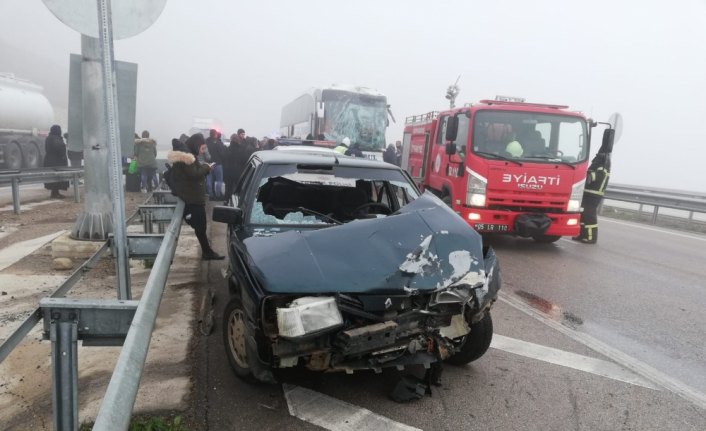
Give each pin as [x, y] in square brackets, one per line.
[332, 414]
[569, 359]
[627, 361]
[654, 229]
[17, 251]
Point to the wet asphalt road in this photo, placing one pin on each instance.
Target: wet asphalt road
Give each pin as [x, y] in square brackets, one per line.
[640, 291]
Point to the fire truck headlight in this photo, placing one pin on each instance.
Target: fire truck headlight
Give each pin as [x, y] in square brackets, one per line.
[477, 200]
[475, 189]
[574, 204]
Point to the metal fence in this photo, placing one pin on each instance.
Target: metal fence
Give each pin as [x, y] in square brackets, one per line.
[41, 175]
[100, 322]
[691, 202]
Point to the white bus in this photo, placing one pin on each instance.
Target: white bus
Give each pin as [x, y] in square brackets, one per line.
[336, 112]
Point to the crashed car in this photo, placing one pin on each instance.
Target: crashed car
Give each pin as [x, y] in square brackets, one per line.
[340, 264]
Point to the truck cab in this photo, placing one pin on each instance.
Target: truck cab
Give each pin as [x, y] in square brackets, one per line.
[504, 166]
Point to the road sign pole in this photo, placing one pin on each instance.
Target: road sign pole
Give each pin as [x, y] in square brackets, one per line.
[105, 33]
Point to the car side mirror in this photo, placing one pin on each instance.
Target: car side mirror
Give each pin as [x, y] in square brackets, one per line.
[451, 128]
[450, 148]
[228, 215]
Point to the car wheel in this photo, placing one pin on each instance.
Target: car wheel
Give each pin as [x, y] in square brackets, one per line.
[31, 155]
[546, 239]
[13, 156]
[234, 335]
[476, 343]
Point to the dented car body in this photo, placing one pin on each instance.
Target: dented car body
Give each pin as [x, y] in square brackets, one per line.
[339, 264]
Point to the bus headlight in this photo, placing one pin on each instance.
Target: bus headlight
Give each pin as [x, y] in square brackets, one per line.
[574, 205]
[475, 189]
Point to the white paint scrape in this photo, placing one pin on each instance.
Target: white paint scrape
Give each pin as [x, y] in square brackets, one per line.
[15, 252]
[332, 414]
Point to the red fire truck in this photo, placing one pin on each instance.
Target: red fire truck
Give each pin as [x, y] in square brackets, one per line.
[503, 165]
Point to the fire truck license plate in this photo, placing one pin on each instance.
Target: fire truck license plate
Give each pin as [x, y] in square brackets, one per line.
[491, 227]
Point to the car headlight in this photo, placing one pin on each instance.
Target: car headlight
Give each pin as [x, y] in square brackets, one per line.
[307, 315]
[574, 205]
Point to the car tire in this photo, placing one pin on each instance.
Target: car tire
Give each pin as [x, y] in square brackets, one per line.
[476, 343]
[546, 239]
[234, 333]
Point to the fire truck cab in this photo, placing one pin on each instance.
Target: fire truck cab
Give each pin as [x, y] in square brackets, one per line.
[504, 165]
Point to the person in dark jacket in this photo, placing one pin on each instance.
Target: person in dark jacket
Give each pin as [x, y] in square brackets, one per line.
[390, 155]
[55, 149]
[145, 152]
[217, 149]
[596, 183]
[355, 151]
[237, 157]
[189, 183]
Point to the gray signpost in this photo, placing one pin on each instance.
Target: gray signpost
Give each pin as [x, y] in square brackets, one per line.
[94, 18]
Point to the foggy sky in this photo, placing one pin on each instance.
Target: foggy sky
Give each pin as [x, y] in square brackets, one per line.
[240, 62]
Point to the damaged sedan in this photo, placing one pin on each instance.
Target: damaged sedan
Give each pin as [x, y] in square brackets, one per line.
[340, 264]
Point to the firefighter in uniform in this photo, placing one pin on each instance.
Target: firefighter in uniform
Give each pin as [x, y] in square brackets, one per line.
[596, 183]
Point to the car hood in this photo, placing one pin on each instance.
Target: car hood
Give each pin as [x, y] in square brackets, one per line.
[425, 246]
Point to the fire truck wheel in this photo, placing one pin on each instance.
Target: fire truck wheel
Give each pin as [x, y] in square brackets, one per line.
[546, 239]
[476, 343]
[447, 199]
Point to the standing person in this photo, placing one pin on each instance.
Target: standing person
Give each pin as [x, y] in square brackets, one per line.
[596, 183]
[390, 155]
[398, 153]
[217, 150]
[237, 158]
[55, 156]
[145, 152]
[189, 183]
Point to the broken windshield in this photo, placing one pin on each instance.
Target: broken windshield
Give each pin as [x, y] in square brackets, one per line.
[329, 197]
[361, 118]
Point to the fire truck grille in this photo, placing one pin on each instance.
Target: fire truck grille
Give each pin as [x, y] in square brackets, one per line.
[523, 201]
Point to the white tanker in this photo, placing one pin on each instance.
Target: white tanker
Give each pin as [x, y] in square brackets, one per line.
[25, 118]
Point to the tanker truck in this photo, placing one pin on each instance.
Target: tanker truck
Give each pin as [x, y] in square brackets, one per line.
[25, 118]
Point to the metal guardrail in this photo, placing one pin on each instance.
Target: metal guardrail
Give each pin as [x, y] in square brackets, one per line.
[41, 175]
[105, 323]
[658, 198]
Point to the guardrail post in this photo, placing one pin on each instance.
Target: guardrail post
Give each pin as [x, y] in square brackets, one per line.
[654, 214]
[77, 198]
[147, 221]
[64, 369]
[16, 195]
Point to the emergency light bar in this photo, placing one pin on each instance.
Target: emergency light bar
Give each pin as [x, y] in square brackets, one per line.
[509, 99]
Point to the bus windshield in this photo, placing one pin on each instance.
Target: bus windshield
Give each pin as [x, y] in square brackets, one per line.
[360, 117]
[532, 137]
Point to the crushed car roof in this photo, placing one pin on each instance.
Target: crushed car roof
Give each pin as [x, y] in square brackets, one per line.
[285, 157]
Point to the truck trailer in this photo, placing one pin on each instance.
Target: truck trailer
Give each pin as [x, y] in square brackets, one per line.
[504, 165]
[25, 118]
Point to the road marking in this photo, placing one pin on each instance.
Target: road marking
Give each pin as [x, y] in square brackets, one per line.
[332, 414]
[654, 229]
[13, 253]
[569, 359]
[627, 361]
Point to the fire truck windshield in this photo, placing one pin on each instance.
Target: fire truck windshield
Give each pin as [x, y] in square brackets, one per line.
[360, 117]
[530, 137]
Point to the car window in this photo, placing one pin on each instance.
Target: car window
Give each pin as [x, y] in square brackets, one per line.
[328, 196]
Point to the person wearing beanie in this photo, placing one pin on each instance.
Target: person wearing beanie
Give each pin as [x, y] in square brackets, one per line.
[55, 155]
[189, 183]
